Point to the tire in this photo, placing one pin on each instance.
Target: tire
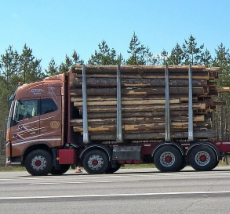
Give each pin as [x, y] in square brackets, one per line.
[60, 169]
[217, 162]
[111, 170]
[39, 162]
[202, 158]
[95, 162]
[168, 159]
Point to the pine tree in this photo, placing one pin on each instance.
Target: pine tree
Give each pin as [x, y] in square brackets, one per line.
[30, 67]
[52, 68]
[176, 56]
[206, 58]
[222, 59]
[137, 52]
[76, 58]
[65, 66]
[105, 55]
[192, 53]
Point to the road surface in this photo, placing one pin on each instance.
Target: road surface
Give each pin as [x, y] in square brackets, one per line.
[127, 191]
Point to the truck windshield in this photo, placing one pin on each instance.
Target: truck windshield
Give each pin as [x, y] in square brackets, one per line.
[25, 109]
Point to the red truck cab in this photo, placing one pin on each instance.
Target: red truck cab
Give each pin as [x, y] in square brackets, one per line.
[36, 118]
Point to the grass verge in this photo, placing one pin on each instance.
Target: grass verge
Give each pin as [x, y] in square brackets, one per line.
[12, 168]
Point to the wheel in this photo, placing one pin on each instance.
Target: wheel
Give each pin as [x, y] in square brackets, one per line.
[168, 158]
[38, 162]
[111, 170]
[202, 158]
[95, 162]
[217, 162]
[60, 169]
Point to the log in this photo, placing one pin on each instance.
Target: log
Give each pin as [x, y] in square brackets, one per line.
[137, 127]
[154, 136]
[133, 108]
[141, 69]
[175, 76]
[112, 82]
[140, 91]
[138, 120]
[132, 102]
[184, 98]
[137, 114]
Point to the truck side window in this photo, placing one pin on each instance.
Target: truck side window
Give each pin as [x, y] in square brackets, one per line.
[25, 109]
[47, 106]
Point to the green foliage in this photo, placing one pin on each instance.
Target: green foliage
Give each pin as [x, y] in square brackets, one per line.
[138, 53]
[52, 68]
[176, 56]
[66, 65]
[192, 53]
[105, 56]
[29, 67]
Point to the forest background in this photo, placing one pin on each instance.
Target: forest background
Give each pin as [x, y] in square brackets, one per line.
[22, 66]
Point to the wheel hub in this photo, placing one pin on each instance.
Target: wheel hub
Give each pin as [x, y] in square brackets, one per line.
[202, 158]
[39, 163]
[95, 162]
[167, 159]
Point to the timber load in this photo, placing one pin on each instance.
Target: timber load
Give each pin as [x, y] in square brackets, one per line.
[143, 99]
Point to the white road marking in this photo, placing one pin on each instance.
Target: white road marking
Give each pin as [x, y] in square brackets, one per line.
[111, 195]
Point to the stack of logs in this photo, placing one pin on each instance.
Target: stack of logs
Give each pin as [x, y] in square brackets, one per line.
[143, 101]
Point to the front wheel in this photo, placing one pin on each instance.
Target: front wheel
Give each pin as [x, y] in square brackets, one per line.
[111, 169]
[202, 158]
[95, 162]
[168, 159]
[38, 162]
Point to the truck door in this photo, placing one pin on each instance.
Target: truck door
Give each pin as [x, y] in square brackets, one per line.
[50, 121]
[25, 126]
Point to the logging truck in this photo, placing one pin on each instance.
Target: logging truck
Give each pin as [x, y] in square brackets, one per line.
[102, 117]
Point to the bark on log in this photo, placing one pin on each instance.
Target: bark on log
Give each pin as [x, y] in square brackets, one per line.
[132, 102]
[141, 69]
[138, 120]
[137, 114]
[175, 76]
[137, 127]
[154, 136]
[127, 98]
[140, 91]
[112, 82]
[133, 108]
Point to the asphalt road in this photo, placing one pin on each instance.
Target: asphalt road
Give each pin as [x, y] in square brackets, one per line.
[127, 191]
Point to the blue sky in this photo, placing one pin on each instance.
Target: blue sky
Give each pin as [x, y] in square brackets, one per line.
[55, 28]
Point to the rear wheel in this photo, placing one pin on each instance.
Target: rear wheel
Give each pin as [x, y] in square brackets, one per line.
[38, 162]
[60, 169]
[168, 158]
[95, 162]
[203, 158]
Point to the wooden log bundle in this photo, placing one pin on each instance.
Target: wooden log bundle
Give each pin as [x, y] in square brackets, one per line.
[143, 101]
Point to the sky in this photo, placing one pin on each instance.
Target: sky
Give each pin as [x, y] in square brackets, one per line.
[53, 29]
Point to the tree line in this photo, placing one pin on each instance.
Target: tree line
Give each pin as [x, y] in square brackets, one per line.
[25, 67]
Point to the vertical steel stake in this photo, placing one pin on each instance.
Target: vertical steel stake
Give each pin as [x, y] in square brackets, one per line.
[119, 107]
[190, 110]
[167, 106]
[84, 105]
